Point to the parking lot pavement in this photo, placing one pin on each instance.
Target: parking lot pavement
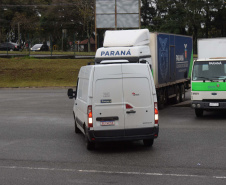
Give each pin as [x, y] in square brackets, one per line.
[38, 146]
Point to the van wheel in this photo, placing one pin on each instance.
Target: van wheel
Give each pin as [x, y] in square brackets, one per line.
[77, 129]
[198, 112]
[89, 145]
[148, 142]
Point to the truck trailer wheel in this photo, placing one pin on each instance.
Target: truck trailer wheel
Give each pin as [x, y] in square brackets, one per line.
[148, 142]
[177, 98]
[182, 93]
[163, 98]
[199, 112]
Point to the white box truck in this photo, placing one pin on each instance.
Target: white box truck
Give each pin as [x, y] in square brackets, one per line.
[170, 57]
[208, 87]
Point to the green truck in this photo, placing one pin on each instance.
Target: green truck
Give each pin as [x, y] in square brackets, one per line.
[208, 86]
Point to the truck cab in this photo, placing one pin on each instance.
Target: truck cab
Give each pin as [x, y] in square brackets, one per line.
[129, 45]
[208, 85]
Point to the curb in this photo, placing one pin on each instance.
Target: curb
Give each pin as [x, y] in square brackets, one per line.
[183, 104]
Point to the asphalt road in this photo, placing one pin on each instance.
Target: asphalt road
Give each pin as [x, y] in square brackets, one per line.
[38, 146]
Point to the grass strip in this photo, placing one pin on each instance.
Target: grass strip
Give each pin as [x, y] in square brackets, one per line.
[31, 72]
[49, 53]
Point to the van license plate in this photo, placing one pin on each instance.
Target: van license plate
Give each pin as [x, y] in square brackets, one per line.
[107, 123]
[214, 104]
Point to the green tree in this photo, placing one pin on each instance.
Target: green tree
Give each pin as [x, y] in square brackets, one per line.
[220, 23]
[199, 18]
[74, 16]
[148, 12]
[174, 17]
[211, 9]
[59, 21]
[20, 17]
[86, 10]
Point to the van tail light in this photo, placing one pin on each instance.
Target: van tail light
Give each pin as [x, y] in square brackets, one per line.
[128, 106]
[90, 116]
[156, 113]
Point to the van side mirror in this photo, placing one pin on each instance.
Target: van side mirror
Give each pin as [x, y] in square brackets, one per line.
[71, 94]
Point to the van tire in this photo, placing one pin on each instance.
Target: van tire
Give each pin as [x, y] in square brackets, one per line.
[77, 130]
[198, 112]
[148, 142]
[89, 145]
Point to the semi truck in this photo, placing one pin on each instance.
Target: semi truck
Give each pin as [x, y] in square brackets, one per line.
[208, 76]
[170, 58]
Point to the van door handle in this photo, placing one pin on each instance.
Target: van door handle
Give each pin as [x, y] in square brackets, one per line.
[131, 112]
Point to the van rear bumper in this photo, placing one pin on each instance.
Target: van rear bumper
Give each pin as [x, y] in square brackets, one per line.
[123, 135]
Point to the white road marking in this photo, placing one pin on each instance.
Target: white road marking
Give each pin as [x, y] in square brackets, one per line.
[141, 173]
[113, 172]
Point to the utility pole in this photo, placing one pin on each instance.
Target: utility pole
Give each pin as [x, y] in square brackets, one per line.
[95, 25]
[139, 14]
[19, 33]
[116, 15]
[62, 40]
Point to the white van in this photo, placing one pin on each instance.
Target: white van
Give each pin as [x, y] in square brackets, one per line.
[115, 102]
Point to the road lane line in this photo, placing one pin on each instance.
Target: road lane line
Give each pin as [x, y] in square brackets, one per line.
[112, 172]
[141, 173]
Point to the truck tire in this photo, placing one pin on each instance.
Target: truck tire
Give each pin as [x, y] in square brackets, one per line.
[198, 112]
[177, 98]
[148, 142]
[160, 104]
[182, 93]
[162, 101]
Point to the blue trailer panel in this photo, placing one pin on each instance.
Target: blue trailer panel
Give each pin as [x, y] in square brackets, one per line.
[174, 56]
[183, 56]
[163, 58]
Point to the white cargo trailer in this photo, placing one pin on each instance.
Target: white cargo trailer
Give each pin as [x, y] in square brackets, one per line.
[211, 47]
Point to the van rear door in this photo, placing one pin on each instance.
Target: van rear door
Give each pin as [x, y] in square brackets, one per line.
[138, 98]
[108, 111]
